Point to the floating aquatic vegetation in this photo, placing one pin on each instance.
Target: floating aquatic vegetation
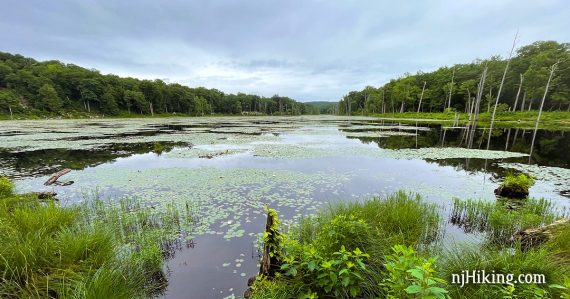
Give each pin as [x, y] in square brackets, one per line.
[377, 134]
[219, 196]
[435, 153]
[195, 152]
[303, 150]
[385, 127]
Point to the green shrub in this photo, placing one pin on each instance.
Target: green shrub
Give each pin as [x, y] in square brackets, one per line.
[339, 274]
[343, 230]
[411, 276]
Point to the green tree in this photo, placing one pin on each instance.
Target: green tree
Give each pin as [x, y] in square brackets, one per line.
[49, 98]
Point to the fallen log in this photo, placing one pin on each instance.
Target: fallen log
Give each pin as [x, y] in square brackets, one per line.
[54, 177]
[532, 237]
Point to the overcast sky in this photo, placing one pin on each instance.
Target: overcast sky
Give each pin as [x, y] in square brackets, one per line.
[308, 50]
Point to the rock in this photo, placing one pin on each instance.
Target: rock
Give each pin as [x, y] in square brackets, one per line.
[247, 293]
[251, 281]
[509, 192]
[536, 236]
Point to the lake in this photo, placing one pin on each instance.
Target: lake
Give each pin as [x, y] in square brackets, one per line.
[226, 170]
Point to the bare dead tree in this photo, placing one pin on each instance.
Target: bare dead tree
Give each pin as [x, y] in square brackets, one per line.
[523, 100]
[500, 89]
[552, 70]
[518, 93]
[421, 97]
[451, 89]
[477, 106]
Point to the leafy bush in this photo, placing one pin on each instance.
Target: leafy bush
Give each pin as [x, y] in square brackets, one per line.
[411, 276]
[343, 230]
[339, 274]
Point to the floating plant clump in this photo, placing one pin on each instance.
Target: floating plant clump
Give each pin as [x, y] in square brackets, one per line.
[304, 150]
[377, 134]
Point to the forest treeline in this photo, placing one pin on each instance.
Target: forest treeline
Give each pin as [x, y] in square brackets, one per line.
[454, 88]
[30, 87]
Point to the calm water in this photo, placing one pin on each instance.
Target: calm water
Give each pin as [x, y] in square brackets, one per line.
[296, 165]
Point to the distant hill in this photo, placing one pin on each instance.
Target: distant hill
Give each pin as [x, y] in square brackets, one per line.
[322, 107]
[34, 88]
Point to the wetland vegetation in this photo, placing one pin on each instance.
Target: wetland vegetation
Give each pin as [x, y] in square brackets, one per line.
[389, 204]
[186, 197]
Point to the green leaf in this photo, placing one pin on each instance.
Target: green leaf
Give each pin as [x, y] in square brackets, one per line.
[354, 291]
[417, 273]
[345, 281]
[413, 289]
[311, 266]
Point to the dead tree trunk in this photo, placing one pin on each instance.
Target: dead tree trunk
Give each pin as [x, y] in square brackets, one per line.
[269, 261]
[54, 177]
[535, 236]
[421, 97]
[523, 100]
[518, 94]
[477, 107]
[451, 89]
[499, 92]
[552, 70]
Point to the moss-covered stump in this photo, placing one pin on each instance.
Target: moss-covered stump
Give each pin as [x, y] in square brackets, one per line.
[515, 186]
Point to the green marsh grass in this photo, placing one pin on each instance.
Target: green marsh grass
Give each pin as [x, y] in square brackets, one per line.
[500, 220]
[92, 250]
[506, 261]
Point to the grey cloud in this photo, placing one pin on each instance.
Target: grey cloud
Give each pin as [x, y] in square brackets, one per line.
[310, 50]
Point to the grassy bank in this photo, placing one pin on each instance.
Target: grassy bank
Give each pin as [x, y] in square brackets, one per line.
[548, 120]
[93, 250]
[393, 248]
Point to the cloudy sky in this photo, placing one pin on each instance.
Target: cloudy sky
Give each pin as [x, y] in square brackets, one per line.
[308, 50]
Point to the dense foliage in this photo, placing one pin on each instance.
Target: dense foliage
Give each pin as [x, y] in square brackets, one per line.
[452, 88]
[392, 248]
[31, 87]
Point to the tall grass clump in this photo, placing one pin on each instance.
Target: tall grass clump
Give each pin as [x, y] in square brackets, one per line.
[506, 261]
[500, 220]
[94, 250]
[400, 218]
